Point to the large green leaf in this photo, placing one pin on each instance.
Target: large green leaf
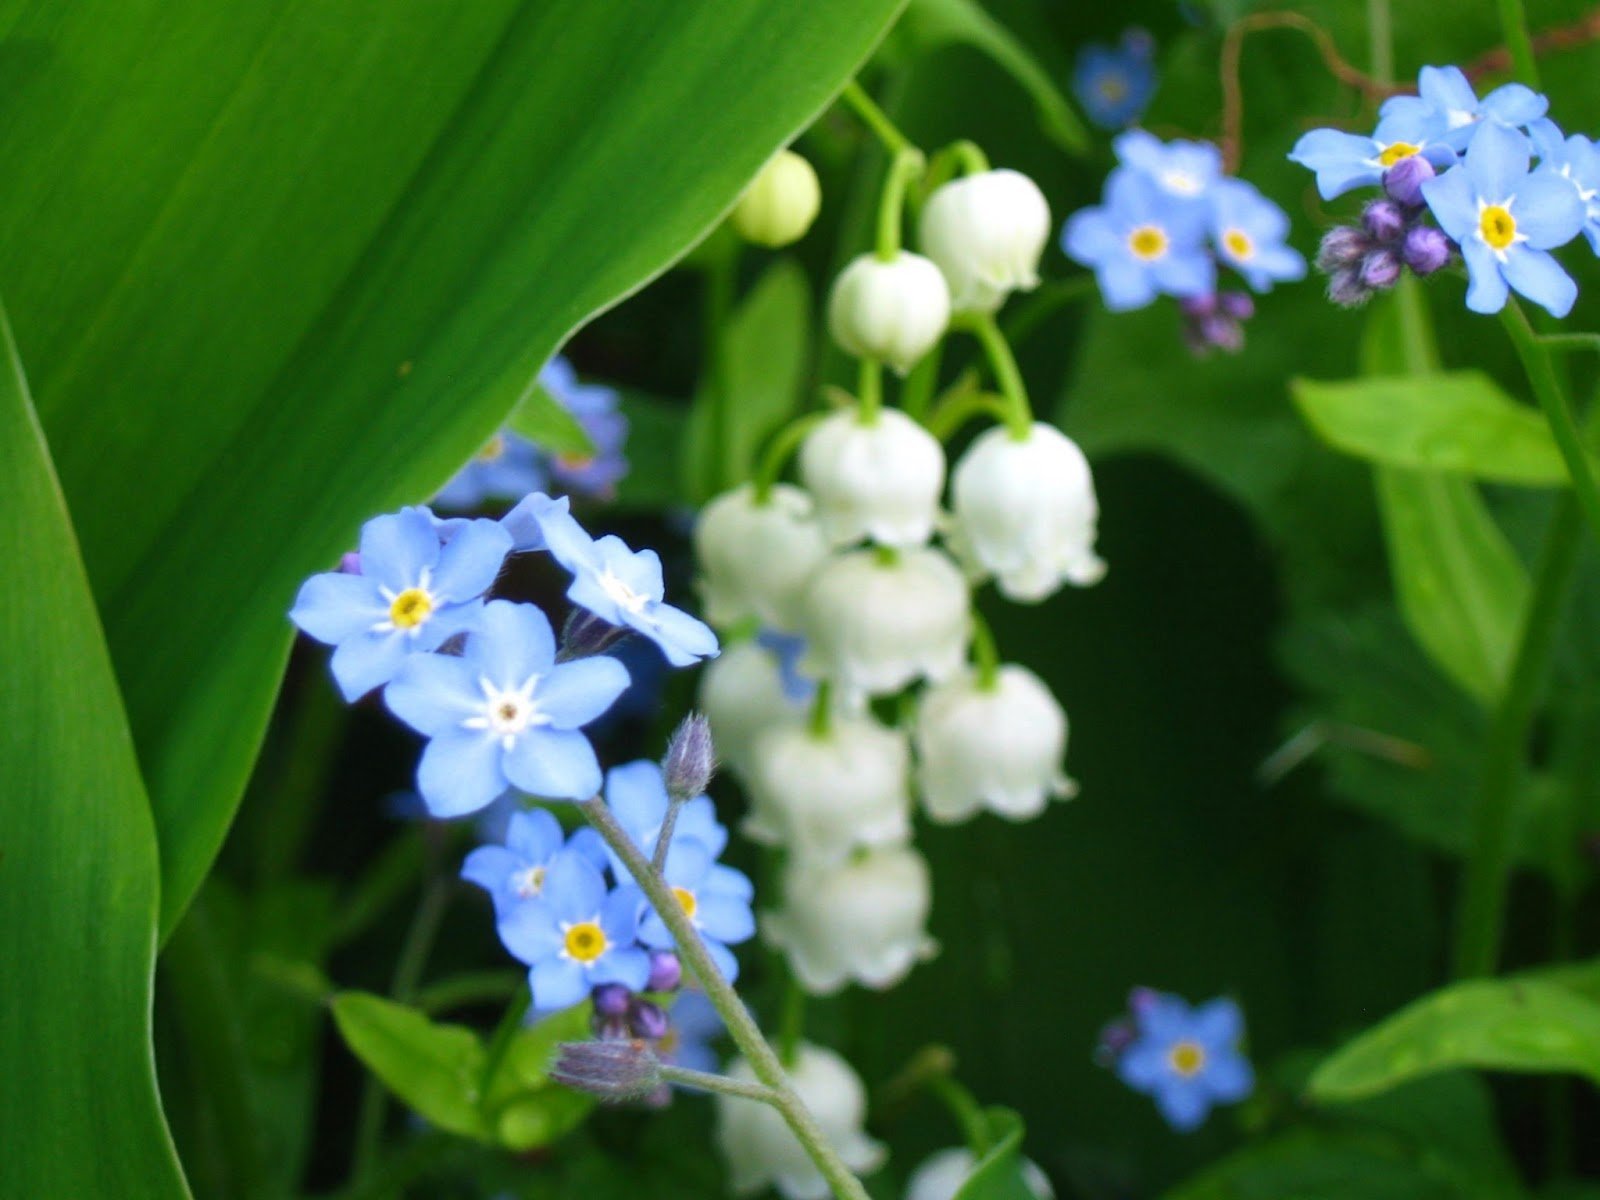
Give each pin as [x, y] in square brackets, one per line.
[284, 266]
[79, 1114]
[1456, 421]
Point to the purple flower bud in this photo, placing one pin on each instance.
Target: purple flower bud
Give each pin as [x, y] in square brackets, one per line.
[691, 759]
[646, 1020]
[611, 1000]
[1141, 1000]
[666, 972]
[626, 1069]
[1346, 289]
[1426, 249]
[1384, 220]
[1222, 333]
[1403, 181]
[1342, 246]
[1114, 1039]
[1238, 305]
[1381, 269]
[350, 563]
[1198, 306]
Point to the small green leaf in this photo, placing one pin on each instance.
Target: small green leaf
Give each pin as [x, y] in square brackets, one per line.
[521, 1105]
[545, 422]
[436, 1069]
[1522, 1025]
[998, 1175]
[938, 22]
[1457, 421]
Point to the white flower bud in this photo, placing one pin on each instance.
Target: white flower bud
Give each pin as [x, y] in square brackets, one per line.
[877, 620]
[892, 311]
[824, 794]
[780, 203]
[755, 558]
[742, 695]
[941, 1176]
[761, 1150]
[986, 233]
[879, 479]
[1025, 512]
[999, 747]
[862, 920]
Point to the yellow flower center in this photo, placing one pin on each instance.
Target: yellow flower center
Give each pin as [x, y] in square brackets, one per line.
[1395, 151]
[1186, 1058]
[687, 900]
[495, 448]
[1148, 242]
[585, 941]
[574, 462]
[1497, 227]
[410, 608]
[1238, 244]
[1112, 88]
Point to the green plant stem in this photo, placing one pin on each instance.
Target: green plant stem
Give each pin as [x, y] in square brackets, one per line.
[1482, 916]
[955, 411]
[721, 281]
[780, 449]
[984, 652]
[1019, 413]
[470, 987]
[916, 393]
[1552, 397]
[869, 390]
[905, 167]
[1380, 41]
[1043, 301]
[705, 1081]
[746, 1033]
[1514, 24]
[820, 720]
[874, 118]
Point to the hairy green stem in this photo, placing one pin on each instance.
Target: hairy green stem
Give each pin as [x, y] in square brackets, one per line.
[1481, 919]
[746, 1033]
[874, 118]
[705, 1081]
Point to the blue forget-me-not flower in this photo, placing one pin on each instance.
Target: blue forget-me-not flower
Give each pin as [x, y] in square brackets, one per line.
[506, 469]
[1506, 221]
[1446, 108]
[636, 794]
[1187, 1059]
[504, 714]
[715, 898]
[1141, 243]
[1182, 171]
[515, 873]
[1250, 232]
[1343, 161]
[1114, 83]
[412, 594]
[1577, 160]
[597, 410]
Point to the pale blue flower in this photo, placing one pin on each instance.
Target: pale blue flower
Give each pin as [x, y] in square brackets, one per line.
[1450, 111]
[1182, 171]
[506, 469]
[1506, 221]
[504, 714]
[716, 899]
[1343, 161]
[1114, 84]
[1140, 244]
[597, 409]
[515, 873]
[1249, 233]
[1577, 160]
[577, 935]
[1187, 1059]
[636, 793]
[411, 595]
[695, 1024]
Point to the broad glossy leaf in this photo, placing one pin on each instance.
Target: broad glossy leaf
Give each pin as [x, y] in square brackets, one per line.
[1522, 1025]
[285, 267]
[998, 1174]
[79, 1115]
[435, 1068]
[1457, 421]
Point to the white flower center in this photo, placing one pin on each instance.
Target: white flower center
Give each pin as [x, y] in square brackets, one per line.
[1456, 118]
[621, 594]
[528, 883]
[507, 712]
[1181, 183]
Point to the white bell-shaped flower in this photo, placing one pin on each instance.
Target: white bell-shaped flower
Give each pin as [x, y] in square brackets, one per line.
[1025, 512]
[825, 792]
[878, 478]
[755, 556]
[862, 920]
[743, 694]
[759, 1147]
[876, 620]
[780, 203]
[986, 233]
[893, 311]
[941, 1176]
[997, 747]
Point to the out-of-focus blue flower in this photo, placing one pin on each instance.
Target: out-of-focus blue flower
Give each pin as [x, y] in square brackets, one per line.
[577, 935]
[789, 649]
[506, 469]
[1343, 161]
[515, 872]
[716, 899]
[636, 793]
[1448, 110]
[1506, 221]
[1183, 172]
[504, 714]
[596, 409]
[1577, 160]
[619, 585]
[695, 1024]
[1140, 244]
[1114, 83]
[1187, 1059]
[1249, 232]
[647, 668]
[411, 595]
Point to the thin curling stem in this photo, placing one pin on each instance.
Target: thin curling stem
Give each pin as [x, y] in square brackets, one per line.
[746, 1033]
[874, 118]
[905, 168]
[1004, 365]
[779, 451]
